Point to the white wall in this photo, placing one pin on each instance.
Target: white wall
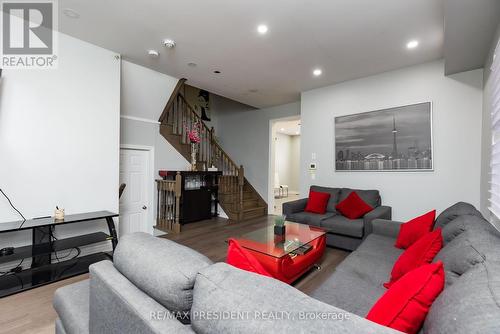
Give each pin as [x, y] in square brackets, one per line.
[144, 93]
[283, 152]
[295, 164]
[457, 116]
[287, 160]
[59, 137]
[245, 136]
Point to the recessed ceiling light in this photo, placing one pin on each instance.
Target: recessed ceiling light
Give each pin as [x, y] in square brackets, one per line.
[297, 132]
[71, 13]
[317, 72]
[262, 29]
[412, 44]
[282, 129]
[169, 43]
[192, 64]
[217, 72]
[153, 53]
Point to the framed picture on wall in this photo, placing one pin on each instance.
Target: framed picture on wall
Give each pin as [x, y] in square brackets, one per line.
[394, 139]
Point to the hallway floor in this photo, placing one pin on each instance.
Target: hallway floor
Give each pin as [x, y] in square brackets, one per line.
[278, 202]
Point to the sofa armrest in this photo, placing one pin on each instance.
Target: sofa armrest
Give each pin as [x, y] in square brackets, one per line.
[388, 228]
[118, 306]
[380, 212]
[294, 206]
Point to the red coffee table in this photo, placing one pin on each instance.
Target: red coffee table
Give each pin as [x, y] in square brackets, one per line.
[278, 254]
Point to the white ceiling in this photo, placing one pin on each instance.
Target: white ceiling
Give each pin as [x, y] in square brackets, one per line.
[291, 128]
[469, 30]
[347, 38]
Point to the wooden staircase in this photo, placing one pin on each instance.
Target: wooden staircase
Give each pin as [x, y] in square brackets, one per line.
[237, 196]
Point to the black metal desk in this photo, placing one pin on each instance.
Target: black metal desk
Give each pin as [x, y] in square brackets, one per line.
[44, 269]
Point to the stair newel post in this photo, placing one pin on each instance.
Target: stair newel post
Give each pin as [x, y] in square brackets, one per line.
[176, 228]
[241, 184]
[211, 154]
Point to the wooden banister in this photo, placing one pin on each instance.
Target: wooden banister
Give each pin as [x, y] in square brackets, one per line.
[170, 101]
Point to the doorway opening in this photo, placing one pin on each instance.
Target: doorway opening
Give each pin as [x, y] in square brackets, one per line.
[284, 171]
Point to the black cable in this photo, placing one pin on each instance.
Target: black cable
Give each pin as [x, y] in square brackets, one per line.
[13, 207]
[11, 271]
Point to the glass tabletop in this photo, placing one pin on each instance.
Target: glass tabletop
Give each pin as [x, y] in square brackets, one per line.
[265, 241]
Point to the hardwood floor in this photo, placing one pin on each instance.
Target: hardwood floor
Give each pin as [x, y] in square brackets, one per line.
[32, 312]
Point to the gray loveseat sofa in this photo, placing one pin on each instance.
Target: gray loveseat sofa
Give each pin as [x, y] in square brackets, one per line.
[342, 232]
[158, 286]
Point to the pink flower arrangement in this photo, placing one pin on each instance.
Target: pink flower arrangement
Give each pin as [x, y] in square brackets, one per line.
[194, 133]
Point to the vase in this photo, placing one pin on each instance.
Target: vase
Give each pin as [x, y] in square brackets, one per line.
[279, 230]
[194, 150]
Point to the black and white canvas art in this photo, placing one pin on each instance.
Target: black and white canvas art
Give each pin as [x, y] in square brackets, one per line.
[394, 139]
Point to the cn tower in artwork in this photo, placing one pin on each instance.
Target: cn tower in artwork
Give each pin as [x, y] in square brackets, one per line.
[394, 132]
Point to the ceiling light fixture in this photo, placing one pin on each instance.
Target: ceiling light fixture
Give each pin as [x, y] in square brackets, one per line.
[412, 44]
[262, 29]
[297, 132]
[317, 72]
[169, 43]
[217, 72]
[282, 129]
[71, 13]
[153, 53]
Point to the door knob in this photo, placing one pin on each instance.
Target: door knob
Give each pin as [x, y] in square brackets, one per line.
[144, 207]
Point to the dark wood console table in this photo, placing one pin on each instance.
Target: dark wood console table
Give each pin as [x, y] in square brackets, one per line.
[44, 269]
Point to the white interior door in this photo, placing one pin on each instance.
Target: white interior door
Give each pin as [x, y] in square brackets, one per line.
[135, 200]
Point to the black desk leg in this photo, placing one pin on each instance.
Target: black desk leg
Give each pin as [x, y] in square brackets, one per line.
[42, 243]
[112, 231]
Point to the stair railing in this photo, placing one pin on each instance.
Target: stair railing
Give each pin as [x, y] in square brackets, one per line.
[181, 117]
[168, 204]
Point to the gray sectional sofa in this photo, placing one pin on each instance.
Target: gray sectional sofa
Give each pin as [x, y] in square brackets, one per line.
[342, 232]
[158, 286]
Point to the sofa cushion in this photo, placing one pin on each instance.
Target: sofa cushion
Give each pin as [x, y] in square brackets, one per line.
[317, 202]
[371, 197]
[163, 269]
[421, 252]
[353, 206]
[334, 196]
[414, 229]
[380, 246]
[309, 218]
[454, 211]
[465, 223]
[462, 253]
[470, 305]
[222, 289]
[406, 304]
[356, 283]
[345, 226]
[71, 303]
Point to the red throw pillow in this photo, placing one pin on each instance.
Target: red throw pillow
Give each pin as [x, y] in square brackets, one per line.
[353, 206]
[421, 252]
[241, 258]
[406, 304]
[414, 229]
[317, 202]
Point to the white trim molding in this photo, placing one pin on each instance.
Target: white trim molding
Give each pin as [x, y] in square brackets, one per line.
[139, 119]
